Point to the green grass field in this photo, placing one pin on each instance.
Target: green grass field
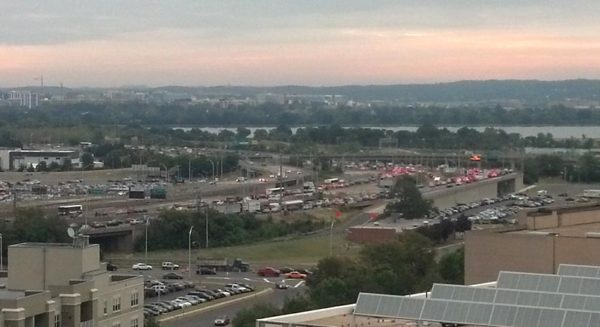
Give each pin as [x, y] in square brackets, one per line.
[301, 251]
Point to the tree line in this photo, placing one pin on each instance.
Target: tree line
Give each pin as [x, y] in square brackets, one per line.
[270, 114]
[168, 230]
[403, 266]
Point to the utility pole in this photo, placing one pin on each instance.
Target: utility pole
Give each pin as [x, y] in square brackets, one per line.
[147, 222]
[190, 253]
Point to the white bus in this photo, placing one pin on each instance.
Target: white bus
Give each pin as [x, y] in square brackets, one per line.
[70, 210]
[275, 191]
[331, 181]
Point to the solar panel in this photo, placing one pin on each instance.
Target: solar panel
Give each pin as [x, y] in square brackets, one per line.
[367, 303]
[527, 317]
[551, 318]
[577, 319]
[434, 310]
[493, 307]
[503, 315]
[411, 308]
[578, 270]
[479, 313]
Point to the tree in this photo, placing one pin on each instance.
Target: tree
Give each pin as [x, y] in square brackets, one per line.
[452, 267]
[247, 317]
[243, 133]
[87, 161]
[42, 166]
[409, 201]
[261, 134]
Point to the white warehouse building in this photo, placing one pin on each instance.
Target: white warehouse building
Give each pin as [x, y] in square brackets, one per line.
[12, 159]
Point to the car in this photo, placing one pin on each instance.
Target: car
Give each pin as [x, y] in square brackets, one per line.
[304, 271]
[141, 266]
[183, 303]
[285, 270]
[222, 321]
[111, 267]
[188, 299]
[167, 265]
[268, 272]
[295, 275]
[172, 275]
[238, 287]
[206, 271]
[203, 295]
[281, 285]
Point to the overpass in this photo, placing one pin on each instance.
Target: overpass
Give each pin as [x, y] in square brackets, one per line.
[488, 188]
[116, 238]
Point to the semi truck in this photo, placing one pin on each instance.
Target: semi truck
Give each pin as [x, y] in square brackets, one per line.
[222, 264]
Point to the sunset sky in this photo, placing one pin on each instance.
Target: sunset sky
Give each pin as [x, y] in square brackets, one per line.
[308, 42]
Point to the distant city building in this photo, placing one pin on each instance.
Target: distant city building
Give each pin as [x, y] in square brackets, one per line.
[24, 99]
[66, 285]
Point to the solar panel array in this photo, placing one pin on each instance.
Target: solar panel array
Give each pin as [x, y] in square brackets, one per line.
[569, 299]
[472, 313]
[578, 270]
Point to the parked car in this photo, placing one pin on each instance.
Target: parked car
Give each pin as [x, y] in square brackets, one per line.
[202, 295]
[295, 275]
[237, 287]
[281, 285]
[222, 321]
[268, 272]
[141, 266]
[172, 275]
[167, 265]
[285, 270]
[111, 267]
[206, 271]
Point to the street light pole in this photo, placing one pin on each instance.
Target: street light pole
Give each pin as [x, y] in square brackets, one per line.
[212, 163]
[1, 253]
[331, 238]
[146, 241]
[206, 226]
[190, 253]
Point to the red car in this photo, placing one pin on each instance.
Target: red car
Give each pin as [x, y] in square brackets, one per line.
[268, 272]
[295, 275]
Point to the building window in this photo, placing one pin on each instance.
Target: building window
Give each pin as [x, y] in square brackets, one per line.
[105, 307]
[56, 320]
[116, 304]
[135, 299]
[134, 322]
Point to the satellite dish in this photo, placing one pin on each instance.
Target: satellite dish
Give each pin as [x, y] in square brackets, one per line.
[71, 232]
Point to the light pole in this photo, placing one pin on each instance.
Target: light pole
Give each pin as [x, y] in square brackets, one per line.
[206, 226]
[1, 253]
[146, 241]
[212, 163]
[331, 238]
[190, 253]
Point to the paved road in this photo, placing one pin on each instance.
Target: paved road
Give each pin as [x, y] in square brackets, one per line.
[205, 319]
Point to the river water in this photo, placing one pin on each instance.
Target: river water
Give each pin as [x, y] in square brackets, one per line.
[560, 132]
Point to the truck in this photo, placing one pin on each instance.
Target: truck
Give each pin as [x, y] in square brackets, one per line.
[167, 265]
[252, 205]
[591, 193]
[222, 264]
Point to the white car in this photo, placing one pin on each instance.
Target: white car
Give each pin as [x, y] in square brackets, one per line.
[182, 303]
[141, 266]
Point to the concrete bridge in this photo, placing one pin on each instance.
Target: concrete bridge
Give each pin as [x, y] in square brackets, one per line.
[488, 188]
[116, 238]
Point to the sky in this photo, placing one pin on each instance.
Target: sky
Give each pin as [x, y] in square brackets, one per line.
[110, 43]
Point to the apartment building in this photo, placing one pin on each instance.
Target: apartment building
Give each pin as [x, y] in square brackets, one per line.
[66, 285]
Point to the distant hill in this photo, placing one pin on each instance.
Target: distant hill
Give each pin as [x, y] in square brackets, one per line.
[527, 91]
[530, 91]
